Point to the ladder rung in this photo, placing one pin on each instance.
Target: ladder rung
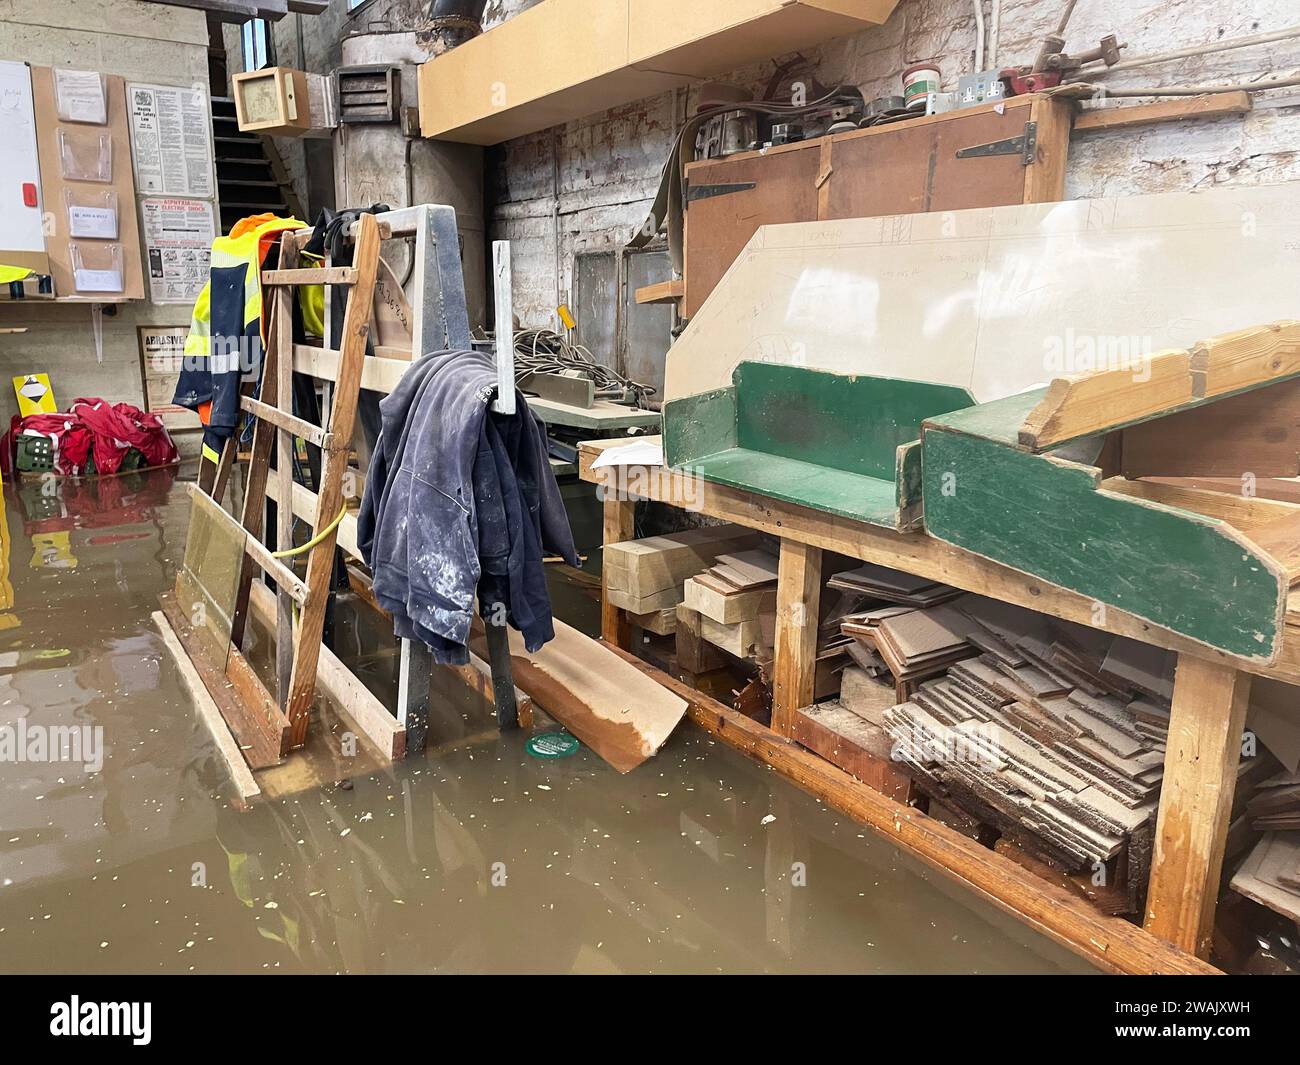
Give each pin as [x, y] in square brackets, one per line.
[377, 375]
[321, 275]
[313, 434]
[282, 574]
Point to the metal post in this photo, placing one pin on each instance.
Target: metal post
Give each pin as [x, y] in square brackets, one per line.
[505, 328]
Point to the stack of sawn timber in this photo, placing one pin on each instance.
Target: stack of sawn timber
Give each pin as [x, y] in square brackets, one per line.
[1275, 805]
[645, 577]
[735, 598]
[1052, 733]
[895, 638]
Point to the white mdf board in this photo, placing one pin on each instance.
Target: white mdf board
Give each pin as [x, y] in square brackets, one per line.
[1002, 299]
[22, 227]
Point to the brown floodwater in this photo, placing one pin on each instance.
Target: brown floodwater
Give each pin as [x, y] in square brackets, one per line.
[474, 857]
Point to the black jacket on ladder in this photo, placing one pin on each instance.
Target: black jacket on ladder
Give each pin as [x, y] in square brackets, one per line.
[460, 501]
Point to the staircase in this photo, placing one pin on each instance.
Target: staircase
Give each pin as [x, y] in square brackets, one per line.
[251, 179]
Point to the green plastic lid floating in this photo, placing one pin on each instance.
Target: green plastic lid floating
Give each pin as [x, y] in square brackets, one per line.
[552, 745]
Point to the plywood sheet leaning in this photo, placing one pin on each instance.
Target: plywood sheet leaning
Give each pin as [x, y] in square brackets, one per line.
[1049, 517]
[977, 298]
[612, 707]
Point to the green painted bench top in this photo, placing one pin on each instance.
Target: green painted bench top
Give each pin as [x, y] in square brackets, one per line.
[850, 495]
[998, 420]
[844, 444]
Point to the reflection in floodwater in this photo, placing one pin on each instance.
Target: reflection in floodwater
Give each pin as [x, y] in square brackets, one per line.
[474, 857]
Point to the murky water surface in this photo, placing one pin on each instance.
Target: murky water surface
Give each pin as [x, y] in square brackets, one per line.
[475, 857]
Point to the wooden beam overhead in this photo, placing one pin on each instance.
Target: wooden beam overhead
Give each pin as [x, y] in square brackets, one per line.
[237, 10]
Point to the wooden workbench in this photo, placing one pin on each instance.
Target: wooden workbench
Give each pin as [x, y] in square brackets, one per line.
[602, 416]
[1208, 716]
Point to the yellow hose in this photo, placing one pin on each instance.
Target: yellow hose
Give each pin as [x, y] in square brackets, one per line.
[315, 539]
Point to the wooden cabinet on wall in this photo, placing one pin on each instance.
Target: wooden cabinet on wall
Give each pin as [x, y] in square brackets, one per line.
[987, 156]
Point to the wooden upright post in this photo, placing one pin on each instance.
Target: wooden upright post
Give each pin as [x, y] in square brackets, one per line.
[334, 462]
[798, 605]
[257, 473]
[620, 525]
[284, 451]
[1205, 730]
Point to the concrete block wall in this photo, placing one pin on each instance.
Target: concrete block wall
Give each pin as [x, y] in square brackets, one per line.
[142, 42]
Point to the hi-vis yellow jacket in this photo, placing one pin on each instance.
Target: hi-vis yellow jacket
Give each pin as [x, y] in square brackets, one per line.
[226, 336]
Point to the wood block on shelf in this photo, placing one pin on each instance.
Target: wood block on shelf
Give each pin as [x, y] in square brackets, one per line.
[694, 653]
[660, 622]
[727, 608]
[661, 292]
[741, 639]
[654, 565]
[859, 748]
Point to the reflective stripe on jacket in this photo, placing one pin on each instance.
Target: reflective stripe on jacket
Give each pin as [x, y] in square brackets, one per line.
[226, 332]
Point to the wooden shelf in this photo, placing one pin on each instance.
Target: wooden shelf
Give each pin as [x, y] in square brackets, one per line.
[923, 555]
[565, 59]
[662, 292]
[1215, 105]
[1200, 770]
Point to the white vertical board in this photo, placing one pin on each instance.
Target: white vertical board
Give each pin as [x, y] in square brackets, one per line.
[999, 299]
[505, 328]
[22, 229]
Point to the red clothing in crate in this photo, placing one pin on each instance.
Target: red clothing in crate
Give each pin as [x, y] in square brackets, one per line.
[106, 432]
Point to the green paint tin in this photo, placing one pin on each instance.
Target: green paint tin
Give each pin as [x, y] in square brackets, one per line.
[919, 81]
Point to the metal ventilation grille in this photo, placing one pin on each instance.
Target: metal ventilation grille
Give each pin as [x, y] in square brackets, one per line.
[369, 93]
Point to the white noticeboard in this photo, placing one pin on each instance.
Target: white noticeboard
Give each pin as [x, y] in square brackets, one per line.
[161, 350]
[178, 238]
[171, 140]
[22, 227]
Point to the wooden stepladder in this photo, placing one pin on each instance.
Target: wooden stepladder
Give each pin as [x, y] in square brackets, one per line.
[269, 725]
[298, 643]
